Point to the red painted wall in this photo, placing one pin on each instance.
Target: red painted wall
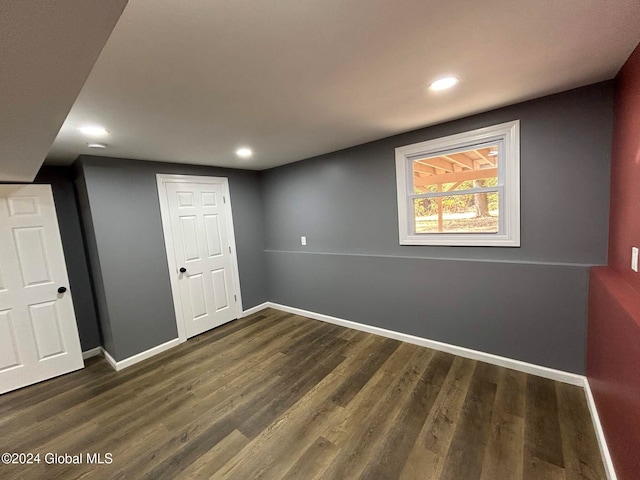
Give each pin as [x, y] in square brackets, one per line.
[613, 339]
[624, 230]
[613, 366]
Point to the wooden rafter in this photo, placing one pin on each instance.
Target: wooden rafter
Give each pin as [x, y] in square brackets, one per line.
[447, 167]
[490, 160]
[421, 168]
[460, 159]
[437, 162]
[455, 177]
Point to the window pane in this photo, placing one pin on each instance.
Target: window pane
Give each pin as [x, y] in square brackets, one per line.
[473, 168]
[465, 213]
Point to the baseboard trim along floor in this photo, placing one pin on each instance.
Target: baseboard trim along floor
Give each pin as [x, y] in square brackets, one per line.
[602, 442]
[255, 309]
[94, 352]
[127, 362]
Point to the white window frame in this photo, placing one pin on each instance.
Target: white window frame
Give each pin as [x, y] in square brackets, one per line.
[508, 235]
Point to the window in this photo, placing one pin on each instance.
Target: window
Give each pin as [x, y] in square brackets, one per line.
[461, 190]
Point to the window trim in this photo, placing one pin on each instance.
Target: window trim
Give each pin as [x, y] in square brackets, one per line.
[508, 180]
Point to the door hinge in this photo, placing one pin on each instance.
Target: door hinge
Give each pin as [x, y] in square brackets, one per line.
[229, 249]
[224, 199]
[235, 297]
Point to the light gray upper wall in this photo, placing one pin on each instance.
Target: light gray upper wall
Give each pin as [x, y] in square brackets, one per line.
[125, 214]
[346, 201]
[61, 181]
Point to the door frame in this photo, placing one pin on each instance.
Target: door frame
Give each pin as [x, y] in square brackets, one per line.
[162, 180]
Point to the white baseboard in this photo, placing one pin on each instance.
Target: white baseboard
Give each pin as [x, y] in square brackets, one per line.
[109, 359]
[559, 375]
[597, 426]
[255, 309]
[127, 362]
[94, 352]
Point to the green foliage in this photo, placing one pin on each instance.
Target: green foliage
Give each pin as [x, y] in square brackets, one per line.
[493, 201]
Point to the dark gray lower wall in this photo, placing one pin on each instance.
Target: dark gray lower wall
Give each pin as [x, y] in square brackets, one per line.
[125, 240]
[533, 313]
[62, 184]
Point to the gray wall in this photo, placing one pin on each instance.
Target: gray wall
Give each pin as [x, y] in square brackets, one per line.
[61, 181]
[534, 313]
[95, 270]
[526, 303]
[125, 241]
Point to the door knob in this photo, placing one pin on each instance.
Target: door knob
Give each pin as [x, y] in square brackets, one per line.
[62, 289]
[182, 269]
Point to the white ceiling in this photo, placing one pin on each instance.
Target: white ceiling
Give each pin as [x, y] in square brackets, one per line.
[190, 82]
[47, 50]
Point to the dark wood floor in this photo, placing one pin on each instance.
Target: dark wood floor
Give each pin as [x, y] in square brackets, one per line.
[278, 396]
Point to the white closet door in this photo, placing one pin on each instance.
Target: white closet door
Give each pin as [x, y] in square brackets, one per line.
[38, 331]
[202, 249]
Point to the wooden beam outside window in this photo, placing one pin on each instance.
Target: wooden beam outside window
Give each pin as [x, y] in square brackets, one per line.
[455, 177]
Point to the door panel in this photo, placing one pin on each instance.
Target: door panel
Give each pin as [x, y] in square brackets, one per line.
[220, 294]
[197, 300]
[200, 241]
[38, 331]
[185, 199]
[46, 329]
[9, 356]
[23, 205]
[212, 230]
[3, 288]
[189, 229]
[209, 199]
[32, 255]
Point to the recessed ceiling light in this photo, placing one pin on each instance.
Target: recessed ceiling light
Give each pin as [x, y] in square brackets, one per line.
[493, 153]
[444, 83]
[244, 152]
[94, 130]
[96, 145]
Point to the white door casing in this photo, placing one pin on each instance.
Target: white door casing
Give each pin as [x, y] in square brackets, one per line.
[38, 331]
[199, 237]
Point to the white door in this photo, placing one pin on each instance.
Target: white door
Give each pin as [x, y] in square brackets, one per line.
[38, 331]
[202, 257]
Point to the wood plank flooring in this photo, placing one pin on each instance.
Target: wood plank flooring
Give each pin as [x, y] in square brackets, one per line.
[279, 396]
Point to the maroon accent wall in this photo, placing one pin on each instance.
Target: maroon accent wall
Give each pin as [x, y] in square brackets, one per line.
[613, 366]
[613, 338]
[624, 227]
